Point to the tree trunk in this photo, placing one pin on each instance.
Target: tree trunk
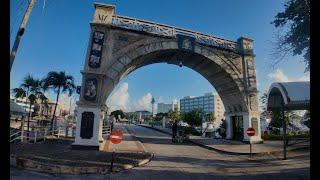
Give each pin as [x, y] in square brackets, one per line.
[55, 108]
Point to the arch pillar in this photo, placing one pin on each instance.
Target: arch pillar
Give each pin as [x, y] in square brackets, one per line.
[88, 128]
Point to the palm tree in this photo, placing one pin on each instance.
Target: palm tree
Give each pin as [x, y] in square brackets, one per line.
[30, 88]
[19, 92]
[27, 83]
[60, 83]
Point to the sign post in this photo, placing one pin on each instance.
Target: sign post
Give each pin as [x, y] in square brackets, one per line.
[250, 132]
[115, 137]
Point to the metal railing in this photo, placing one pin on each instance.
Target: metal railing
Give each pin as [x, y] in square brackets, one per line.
[15, 136]
[171, 31]
[34, 136]
[106, 129]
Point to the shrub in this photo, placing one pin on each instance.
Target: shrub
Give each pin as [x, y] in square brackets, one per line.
[191, 130]
[272, 137]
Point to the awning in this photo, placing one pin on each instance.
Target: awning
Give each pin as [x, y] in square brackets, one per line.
[293, 95]
[16, 109]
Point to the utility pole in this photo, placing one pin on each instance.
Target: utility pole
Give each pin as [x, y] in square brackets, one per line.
[21, 31]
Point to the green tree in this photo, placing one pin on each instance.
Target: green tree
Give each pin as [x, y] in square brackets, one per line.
[263, 99]
[132, 116]
[59, 82]
[193, 117]
[174, 115]
[210, 117]
[159, 116]
[116, 114]
[297, 39]
[306, 118]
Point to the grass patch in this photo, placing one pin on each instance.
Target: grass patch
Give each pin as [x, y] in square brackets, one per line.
[273, 137]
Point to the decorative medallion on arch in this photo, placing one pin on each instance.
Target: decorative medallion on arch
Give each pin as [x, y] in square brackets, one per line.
[96, 49]
[186, 42]
[90, 89]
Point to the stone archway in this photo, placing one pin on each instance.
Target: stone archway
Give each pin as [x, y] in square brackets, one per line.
[117, 48]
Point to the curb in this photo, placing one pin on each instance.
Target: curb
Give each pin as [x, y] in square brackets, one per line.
[47, 167]
[138, 143]
[165, 132]
[227, 152]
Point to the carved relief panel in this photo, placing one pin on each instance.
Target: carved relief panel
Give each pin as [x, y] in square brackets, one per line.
[90, 89]
[96, 49]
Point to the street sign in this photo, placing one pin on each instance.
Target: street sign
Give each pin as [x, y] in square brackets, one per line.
[115, 137]
[250, 131]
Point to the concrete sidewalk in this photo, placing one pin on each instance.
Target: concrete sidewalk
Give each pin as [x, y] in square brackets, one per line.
[235, 147]
[129, 141]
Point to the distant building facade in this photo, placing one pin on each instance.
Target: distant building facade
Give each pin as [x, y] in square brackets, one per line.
[41, 109]
[166, 107]
[208, 103]
[143, 114]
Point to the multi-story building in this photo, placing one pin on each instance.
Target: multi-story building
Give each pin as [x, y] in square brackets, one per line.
[43, 109]
[208, 103]
[166, 107]
[143, 114]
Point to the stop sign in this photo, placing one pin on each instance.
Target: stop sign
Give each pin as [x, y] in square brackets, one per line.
[250, 131]
[115, 136]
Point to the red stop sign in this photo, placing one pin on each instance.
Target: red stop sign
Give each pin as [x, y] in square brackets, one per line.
[115, 137]
[250, 131]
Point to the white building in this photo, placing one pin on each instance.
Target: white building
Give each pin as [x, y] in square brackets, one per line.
[23, 103]
[208, 103]
[166, 107]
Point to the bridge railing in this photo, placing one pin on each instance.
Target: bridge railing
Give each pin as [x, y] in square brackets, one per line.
[171, 31]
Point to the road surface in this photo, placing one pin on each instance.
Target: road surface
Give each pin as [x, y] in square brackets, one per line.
[190, 162]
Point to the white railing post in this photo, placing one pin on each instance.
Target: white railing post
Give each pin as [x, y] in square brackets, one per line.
[21, 136]
[35, 136]
[58, 132]
[45, 135]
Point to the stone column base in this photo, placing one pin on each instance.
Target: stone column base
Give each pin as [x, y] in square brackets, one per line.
[84, 147]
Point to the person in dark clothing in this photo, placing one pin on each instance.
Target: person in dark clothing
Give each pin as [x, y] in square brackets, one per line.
[174, 130]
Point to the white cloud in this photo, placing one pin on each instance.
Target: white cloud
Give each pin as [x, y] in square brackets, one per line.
[304, 78]
[64, 101]
[160, 100]
[119, 98]
[279, 76]
[144, 103]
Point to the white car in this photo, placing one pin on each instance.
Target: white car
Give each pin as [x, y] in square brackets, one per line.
[184, 124]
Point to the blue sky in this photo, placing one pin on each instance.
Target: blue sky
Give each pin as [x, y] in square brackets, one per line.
[57, 36]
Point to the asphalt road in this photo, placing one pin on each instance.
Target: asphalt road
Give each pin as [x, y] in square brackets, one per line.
[188, 161]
